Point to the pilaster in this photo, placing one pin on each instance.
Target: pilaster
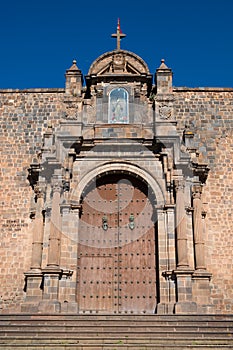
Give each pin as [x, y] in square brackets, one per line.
[38, 227]
[69, 257]
[52, 273]
[201, 278]
[55, 224]
[181, 226]
[198, 228]
[34, 277]
[166, 261]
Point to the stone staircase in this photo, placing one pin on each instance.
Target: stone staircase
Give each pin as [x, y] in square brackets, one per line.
[108, 332]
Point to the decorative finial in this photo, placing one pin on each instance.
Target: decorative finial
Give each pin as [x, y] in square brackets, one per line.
[118, 35]
[74, 61]
[163, 65]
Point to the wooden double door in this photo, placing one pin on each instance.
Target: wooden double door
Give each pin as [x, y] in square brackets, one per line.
[117, 247]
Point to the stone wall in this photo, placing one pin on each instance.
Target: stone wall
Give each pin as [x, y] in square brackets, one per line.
[208, 113]
[24, 117]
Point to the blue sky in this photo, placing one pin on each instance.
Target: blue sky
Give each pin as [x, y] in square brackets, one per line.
[40, 39]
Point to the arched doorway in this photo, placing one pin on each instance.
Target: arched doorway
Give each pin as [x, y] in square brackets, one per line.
[117, 246]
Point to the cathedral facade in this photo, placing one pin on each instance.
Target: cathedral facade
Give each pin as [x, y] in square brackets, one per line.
[117, 193]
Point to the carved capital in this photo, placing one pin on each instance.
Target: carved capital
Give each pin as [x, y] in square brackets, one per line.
[39, 189]
[179, 185]
[57, 186]
[196, 191]
[99, 92]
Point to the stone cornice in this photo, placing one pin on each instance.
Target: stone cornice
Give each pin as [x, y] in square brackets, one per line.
[35, 90]
[202, 89]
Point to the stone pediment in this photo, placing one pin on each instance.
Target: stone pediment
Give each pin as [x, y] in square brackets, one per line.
[118, 62]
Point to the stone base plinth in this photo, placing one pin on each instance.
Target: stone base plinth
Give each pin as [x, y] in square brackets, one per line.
[71, 308]
[165, 308]
[185, 307]
[50, 306]
[29, 308]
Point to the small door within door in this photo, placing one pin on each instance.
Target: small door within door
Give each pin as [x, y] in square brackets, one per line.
[116, 248]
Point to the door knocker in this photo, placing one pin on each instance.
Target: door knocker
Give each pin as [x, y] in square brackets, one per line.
[131, 222]
[105, 223]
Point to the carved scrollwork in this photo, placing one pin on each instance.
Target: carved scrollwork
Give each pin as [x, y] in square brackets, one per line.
[118, 62]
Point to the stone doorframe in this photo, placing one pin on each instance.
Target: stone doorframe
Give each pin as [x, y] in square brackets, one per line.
[166, 286]
[53, 288]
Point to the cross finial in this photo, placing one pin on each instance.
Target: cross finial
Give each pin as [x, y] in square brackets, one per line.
[118, 35]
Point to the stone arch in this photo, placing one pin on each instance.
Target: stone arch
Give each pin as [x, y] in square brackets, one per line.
[123, 167]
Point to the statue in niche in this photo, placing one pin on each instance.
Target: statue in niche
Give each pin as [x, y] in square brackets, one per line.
[118, 106]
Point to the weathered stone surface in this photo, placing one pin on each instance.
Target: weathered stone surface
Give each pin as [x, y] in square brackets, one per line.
[66, 131]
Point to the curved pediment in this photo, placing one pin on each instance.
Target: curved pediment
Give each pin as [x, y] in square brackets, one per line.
[118, 62]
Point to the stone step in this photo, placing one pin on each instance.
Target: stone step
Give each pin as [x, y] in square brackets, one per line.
[37, 331]
[75, 332]
[115, 346]
[134, 319]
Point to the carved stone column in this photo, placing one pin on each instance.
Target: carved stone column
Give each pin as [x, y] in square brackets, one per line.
[183, 273]
[182, 257]
[55, 227]
[38, 229]
[198, 229]
[34, 275]
[166, 250]
[52, 273]
[201, 278]
[68, 283]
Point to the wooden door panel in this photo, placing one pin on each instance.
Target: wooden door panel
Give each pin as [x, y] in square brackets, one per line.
[96, 283]
[116, 271]
[137, 275]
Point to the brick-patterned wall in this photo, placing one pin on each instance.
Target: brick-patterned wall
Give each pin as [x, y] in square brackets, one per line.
[209, 114]
[24, 117]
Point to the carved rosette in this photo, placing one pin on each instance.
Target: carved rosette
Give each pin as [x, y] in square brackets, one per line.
[71, 113]
[165, 111]
[71, 109]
